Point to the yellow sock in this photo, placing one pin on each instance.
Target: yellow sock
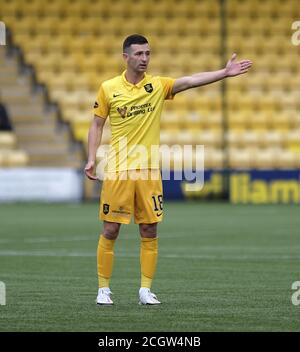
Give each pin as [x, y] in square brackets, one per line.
[105, 260]
[148, 259]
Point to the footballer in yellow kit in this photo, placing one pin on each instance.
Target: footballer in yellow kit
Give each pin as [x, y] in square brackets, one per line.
[134, 112]
[133, 101]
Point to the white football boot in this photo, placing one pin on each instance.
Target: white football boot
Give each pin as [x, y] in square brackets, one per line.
[147, 297]
[103, 297]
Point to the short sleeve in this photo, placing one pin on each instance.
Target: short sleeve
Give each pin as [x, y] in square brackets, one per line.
[167, 85]
[101, 106]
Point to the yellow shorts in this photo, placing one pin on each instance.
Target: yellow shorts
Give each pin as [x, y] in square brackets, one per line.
[141, 196]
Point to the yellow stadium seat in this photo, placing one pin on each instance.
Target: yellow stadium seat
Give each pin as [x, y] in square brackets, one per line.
[13, 158]
[238, 119]
[243, 139]
[213, 158]
[264, 158]
[186, 137]
[285, 160]
[192, 120]
[292, 139]
[172, 118]
[209, 138]
[7, 140]
[273, 138]
[239, 158]
[258, 120]
[279, 121]
[166, 137]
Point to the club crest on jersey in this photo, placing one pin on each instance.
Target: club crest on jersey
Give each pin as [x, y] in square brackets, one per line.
[96, 105]
[122, 111]
[148, 87]
[105, 208]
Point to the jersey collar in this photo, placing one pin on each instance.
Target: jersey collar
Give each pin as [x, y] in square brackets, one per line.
[130, 85]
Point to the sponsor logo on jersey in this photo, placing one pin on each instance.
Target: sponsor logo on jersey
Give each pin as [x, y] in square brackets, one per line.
[122, 111]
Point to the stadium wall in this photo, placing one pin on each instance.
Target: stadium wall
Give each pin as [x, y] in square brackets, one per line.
[245, 187]
[41, 184]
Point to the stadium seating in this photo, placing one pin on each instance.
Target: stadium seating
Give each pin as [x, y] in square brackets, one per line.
[36, 139]
[77, 45]
[262, 107]
[10, 156]
[10, 153]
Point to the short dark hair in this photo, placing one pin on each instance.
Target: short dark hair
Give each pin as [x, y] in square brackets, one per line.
[134, 39]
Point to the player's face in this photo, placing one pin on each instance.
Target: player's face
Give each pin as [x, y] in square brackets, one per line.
[138, 57]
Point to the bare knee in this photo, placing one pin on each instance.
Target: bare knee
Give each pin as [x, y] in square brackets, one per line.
[111, 230]
[148, 230]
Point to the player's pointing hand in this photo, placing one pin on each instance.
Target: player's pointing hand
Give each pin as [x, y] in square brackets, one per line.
[235, 68]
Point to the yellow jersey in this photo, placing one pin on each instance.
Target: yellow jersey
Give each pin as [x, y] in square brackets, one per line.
[134, 112]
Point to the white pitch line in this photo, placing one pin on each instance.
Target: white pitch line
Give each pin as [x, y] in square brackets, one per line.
[59, 239]
[69, 239]
[47, 253]
[48, 239]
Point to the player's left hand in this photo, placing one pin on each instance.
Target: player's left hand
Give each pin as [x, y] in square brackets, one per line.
[235, 68]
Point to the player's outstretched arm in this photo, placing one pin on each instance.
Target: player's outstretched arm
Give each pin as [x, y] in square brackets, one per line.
[94, 139]
[232, 68]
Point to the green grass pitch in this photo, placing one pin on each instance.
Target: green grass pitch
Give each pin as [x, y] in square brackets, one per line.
[221, 268]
